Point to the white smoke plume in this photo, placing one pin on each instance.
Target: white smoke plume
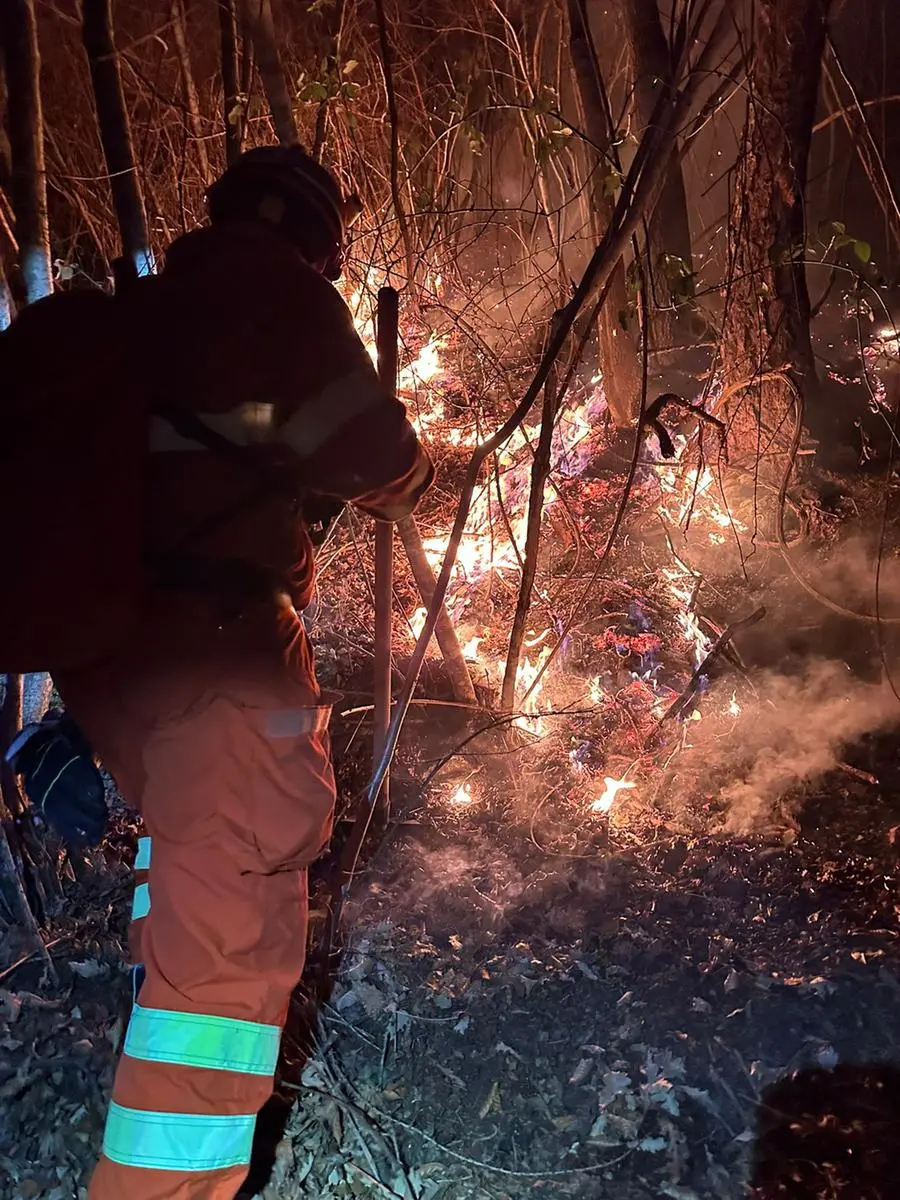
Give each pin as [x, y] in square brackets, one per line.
[803, 724]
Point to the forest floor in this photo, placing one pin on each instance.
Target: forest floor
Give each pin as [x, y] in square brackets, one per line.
[507, 1024]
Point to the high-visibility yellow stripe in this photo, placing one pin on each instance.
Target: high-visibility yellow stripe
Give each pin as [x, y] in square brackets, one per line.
[142, 861]
[165, 1141]
[198, 1040]
[140, 905]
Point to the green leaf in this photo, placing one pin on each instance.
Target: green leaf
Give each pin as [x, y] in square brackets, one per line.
[611, 184]
[313, 92]
[863, 251]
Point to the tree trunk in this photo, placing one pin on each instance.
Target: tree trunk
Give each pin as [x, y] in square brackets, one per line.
[258, 15]
[669, 260]
[618, 357]
[28, 182]
[115, 133]
[189, 88]
[28, 185]
[766, 325]
[234, 113]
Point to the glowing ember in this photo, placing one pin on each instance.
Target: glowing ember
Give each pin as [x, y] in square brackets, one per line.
[613, 787]
[462, 795]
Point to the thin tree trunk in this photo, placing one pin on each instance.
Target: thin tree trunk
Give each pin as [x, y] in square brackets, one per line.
[191, 99]
[394, 119]
[28, 181]
[233, 109]
[444, 632]
[766, 325]
[618, 356]
[668, 228]
[540, 471]
[258, 15]
[115, 133]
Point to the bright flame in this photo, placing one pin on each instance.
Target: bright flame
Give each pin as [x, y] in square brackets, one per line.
[462, 795]
[734, 708]
[690, 627]
[423, 369]
[613, 787]
[525, 677]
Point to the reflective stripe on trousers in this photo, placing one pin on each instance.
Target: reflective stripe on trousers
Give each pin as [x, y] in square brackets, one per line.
[189, 1142]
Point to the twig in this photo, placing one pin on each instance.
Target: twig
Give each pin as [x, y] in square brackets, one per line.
[27, 958]
[718, 646]
[479, 1164]
[854, 773]
[652, 420]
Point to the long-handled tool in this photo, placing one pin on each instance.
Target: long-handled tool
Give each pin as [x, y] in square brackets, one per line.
[386, 338]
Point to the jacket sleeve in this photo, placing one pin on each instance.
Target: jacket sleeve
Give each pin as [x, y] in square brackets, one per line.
[352, 436]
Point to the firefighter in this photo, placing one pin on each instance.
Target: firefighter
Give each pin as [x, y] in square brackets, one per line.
[210, 719]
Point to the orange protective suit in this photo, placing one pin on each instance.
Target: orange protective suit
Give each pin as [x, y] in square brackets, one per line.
[211, 720]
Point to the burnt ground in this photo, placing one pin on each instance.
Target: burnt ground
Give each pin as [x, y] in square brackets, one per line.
[508, 1023]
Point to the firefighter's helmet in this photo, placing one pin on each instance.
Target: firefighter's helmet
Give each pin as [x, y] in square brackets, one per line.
[283, 186]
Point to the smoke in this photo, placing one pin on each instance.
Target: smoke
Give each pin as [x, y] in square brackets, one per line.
[848, 576]
[802, 725]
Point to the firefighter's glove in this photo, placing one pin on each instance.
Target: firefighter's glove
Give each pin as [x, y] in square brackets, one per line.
[319, 514]
[61, 779]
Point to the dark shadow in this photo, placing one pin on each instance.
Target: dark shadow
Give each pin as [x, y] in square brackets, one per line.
[824, 1134]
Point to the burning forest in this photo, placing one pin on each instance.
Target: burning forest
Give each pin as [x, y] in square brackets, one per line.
[609, 906]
